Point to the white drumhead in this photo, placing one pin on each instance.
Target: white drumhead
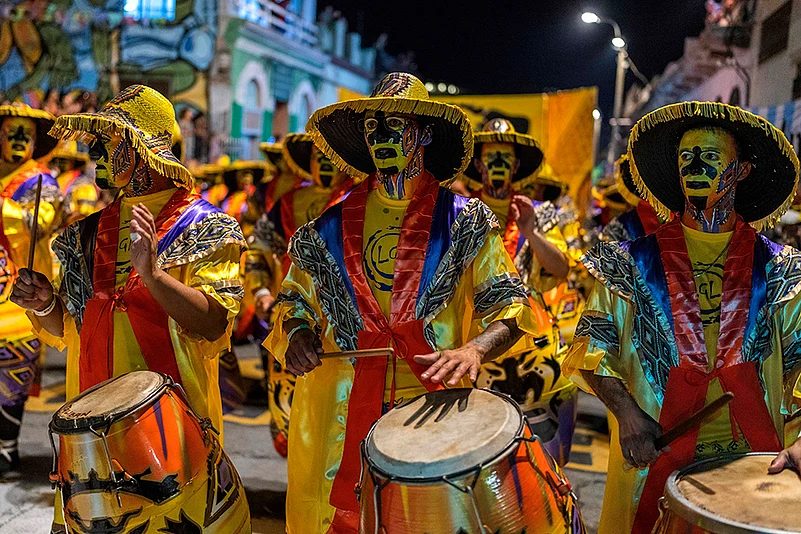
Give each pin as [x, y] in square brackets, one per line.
[107, 400]
[443, 433]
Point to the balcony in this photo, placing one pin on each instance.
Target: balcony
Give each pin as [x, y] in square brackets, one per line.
[270, 15]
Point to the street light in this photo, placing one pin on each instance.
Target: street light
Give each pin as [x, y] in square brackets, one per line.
[622, 65]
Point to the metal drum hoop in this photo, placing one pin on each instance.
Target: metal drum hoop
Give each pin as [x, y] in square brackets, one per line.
[677, 503]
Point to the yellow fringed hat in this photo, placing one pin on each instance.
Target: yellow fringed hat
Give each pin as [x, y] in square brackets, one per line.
[45, 143]
[273, 152]
[527, 150]
[141, 115]
[177, 142]
[69, 150]
[553, 188]
[259, 169]
[624, 182]
[338, 129]
[209, 172]
[761, 198]
[297, 151]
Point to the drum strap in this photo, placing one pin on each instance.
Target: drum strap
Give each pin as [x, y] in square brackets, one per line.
[402, 331]
[687, 384]
[148, 319]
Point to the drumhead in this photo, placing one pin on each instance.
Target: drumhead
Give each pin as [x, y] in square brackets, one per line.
[98, 406]
[735, 494]
[443, 433]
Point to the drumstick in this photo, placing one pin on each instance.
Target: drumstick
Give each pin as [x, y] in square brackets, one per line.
[35, 224]
[364, 353]
[692, 421]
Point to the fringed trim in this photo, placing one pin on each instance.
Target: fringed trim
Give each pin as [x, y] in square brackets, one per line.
[715, 111]
[426, 108]
[293, 140]
[10, 110]
[620, 183]
[505, 137]
[273, 148]
[80, 128]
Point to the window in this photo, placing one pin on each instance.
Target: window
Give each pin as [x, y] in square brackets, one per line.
[150, 9]
[775, 32]
[253, 95]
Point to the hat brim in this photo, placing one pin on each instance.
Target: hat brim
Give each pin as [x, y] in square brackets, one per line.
[338, 130]
[259, 169]
[527, 151]
[297, 152]
[626, 187]
[45, 143]
[272, 151]
[85, 126]
[761, 198]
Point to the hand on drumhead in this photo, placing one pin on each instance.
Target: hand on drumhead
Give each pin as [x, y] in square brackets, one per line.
[638, 434]
[789, 458]
[32, 290]
[303, 352]
[457, 363]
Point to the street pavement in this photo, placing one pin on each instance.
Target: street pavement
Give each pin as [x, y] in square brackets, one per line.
[26, 504]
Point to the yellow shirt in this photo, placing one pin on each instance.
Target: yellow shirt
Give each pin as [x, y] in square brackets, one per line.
[382, 224]
[500, 208]
[708, 253]
[127, 354]
[309, 203]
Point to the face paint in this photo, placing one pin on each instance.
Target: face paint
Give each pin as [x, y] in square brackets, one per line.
[115, 160]
[709, 170]
[244, 179]
[396, 143]
[18, 136]
[322, 170]
[497, 165]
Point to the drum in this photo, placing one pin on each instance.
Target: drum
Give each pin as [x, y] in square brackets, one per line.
[134, 457]
[731, 495]
[461, 460]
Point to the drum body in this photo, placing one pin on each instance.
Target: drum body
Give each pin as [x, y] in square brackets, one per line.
[731, 495]
[503, 481]
[134, 457]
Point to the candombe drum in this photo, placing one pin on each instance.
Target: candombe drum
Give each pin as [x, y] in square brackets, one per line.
[133, 457]
[461, 460]
[731, 495]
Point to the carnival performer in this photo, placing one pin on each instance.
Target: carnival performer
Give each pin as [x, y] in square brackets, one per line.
[502, 159]
[23, 140]
[703, 305]
[209, 182]
[635, 223]
[241, 179]
[79, 190]
[400, 262]
[285, 179]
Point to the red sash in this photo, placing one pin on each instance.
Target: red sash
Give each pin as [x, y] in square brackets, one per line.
[648, 217]
[148, 319]
[511, 236]
[687, 384]
[402, 331]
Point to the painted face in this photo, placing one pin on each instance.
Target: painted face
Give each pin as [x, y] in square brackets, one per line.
[115, 160]
[396, 143]
[17, 139]
[322, 170]
[63, 165]
[244, 179]
[709, 168]
[497, 165]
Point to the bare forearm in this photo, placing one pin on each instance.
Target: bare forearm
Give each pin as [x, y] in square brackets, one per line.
[499, 337]
[53, 322]
[548, 255]
[191, 309]
[612, 392]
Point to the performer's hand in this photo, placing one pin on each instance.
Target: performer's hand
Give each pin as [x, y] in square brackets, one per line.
[638, 432]
[457, 363]
[789, 458]
[264, 305]
[302, 354]
[522, 212]
[32, 290]
[144, 247]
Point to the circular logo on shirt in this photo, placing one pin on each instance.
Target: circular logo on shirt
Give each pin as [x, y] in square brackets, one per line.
[379, 257]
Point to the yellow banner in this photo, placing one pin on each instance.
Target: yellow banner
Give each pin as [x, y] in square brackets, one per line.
[561, 122]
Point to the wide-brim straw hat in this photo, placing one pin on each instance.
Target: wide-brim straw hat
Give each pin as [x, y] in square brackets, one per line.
[141, 115]
[338, 129]
[274, 152]
[625, 182]
[297, 152]
[43, 120]
[527, 150]
[761, 198]
[259, 169]
[208, 172]
[69, 150]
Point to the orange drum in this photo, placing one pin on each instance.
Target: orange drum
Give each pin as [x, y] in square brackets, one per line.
[135, 458]
[731, 495]
[461, 460]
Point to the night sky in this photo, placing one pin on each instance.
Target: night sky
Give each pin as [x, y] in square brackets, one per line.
[526, 46]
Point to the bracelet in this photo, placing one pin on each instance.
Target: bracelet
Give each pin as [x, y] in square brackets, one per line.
[263, 292]
[298, 328]
[47, 310]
